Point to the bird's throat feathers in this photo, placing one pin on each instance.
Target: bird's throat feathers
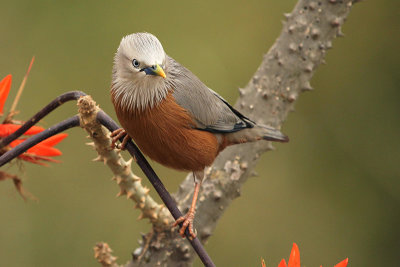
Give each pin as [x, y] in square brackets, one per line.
[139, 94]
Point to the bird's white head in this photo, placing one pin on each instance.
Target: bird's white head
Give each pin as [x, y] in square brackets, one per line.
[138, 55]
[139, 78]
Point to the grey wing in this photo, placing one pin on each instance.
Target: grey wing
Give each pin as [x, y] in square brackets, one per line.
[209, 110]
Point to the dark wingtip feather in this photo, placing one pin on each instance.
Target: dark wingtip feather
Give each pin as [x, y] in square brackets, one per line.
[285, 139]
[272, 134]
[282, 138]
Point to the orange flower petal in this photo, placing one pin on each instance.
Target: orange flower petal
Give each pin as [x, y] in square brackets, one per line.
[37, 159]
[31, 159]
[343, 263]
[16, 142]
[294, 260]
[39, 149]
[34, 130]
[54, 140]
[8, 128]
[43, 150]
[282, 263]
[5, 86]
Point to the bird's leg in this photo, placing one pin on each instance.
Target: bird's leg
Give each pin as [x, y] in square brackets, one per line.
[116, 135]
[189, 217]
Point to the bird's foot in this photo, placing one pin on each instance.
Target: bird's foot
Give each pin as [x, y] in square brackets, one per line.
[187, 221]
[116, 135]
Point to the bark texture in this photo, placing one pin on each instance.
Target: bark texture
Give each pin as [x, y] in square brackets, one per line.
[268, 98]
[130, 184]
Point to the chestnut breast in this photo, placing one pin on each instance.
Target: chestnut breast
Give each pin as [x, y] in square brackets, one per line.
[165, 133]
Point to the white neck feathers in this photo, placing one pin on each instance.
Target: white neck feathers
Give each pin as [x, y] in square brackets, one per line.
[139, 94]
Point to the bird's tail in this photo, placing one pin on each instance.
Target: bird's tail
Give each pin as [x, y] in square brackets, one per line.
[272, 134]
[258, 132]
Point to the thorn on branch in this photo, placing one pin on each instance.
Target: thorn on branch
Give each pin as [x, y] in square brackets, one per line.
[315, 32]
[102, 253]
[336, 22]
[292, 47]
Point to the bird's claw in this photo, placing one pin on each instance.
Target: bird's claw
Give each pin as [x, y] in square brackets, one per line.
[116, 135]
[187, 223]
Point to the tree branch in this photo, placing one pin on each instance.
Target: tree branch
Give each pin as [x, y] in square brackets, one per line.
[91, 119]
[284, 73]
[37, 138]
[58, 101]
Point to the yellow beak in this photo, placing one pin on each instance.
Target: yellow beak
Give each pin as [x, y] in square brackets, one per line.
[155, 70]
[159, 71]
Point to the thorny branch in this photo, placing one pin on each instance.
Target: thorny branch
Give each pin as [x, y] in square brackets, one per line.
[37, 138]
[91, 117]
[73, 95]
[285, 72]
[129, 183]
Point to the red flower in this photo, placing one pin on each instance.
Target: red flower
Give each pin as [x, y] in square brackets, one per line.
[343, 263]
[294, 259]
[40, 152]
[5, 86]
[8, 128]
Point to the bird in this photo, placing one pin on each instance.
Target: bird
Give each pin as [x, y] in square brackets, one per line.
[172, 116]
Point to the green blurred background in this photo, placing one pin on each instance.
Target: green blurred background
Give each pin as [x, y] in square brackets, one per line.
[334, 189]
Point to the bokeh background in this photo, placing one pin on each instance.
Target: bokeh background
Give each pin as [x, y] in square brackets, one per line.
[334, 189]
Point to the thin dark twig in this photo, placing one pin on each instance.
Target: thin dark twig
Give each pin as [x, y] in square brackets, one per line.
[72, 95]
[110, 125]
[37, 138]
[169, 202]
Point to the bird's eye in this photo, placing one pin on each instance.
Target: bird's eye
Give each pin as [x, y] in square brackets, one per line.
[135, 63]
